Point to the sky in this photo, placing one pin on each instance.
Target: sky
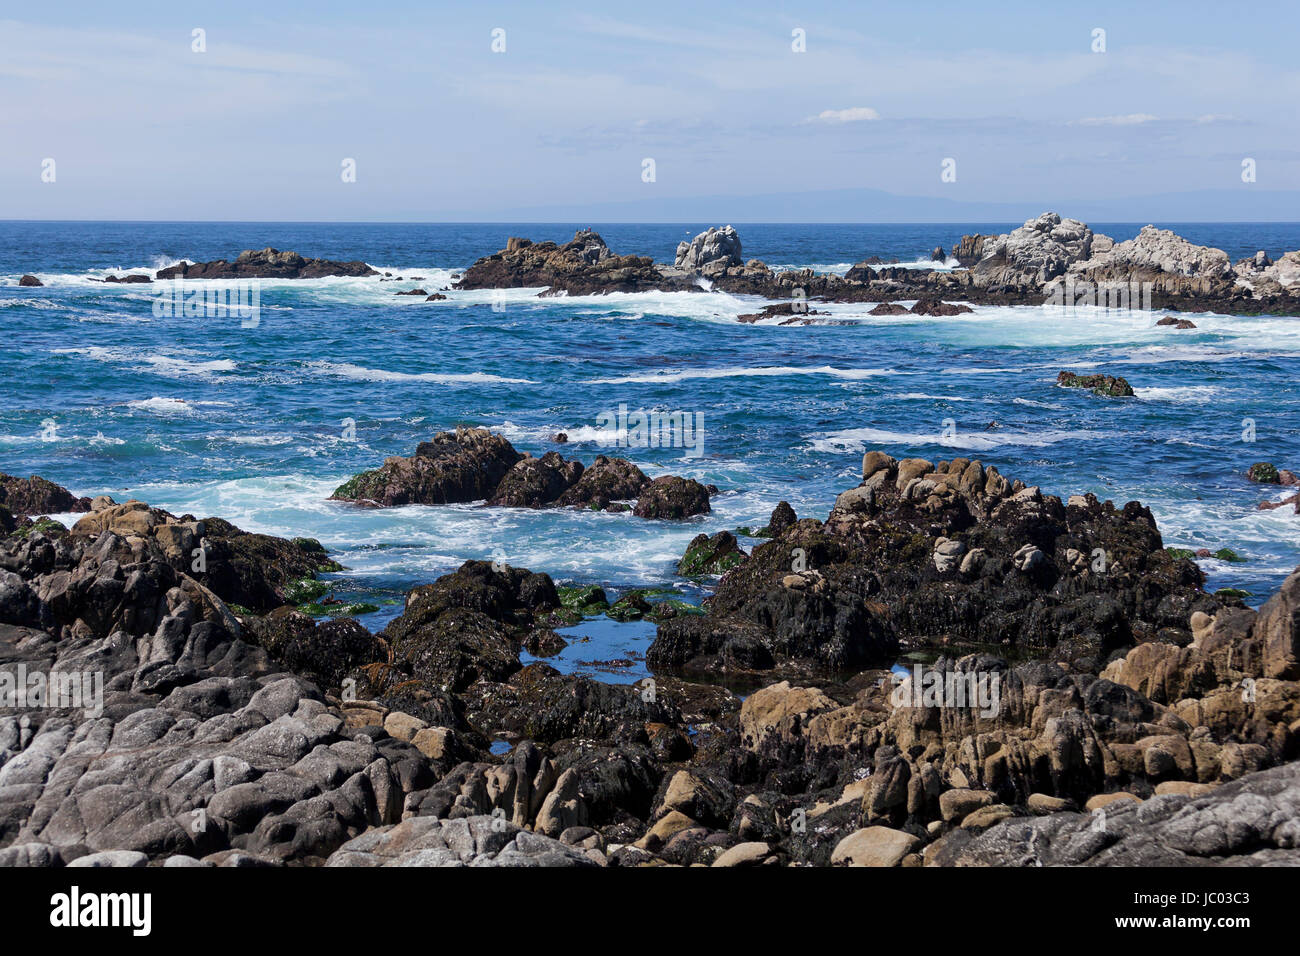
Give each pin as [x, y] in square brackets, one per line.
[1029, 102]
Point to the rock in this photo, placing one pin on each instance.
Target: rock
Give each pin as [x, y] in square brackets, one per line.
[1177, 323]
[876, 461]
[956, 805]
[935, 307]
[780, 713]
[1264, 473]
[985, 817]
[467, 841]
[709, 249]
[30, 281]
[743, 854]
[947, 554]
[266, 263]
[1101, 384]
[847, 593]
[403, 726]
[711, 555]
[938, 255]
[413, 292]
[672, 497]
[124, 859]
[536, 482]
[465, 465]
[1042, 803]
[1156, 251]
[1103, 800]
[581, 267]
[607, 480]
[874, 846]
[1248, 822]
[435, 297]
[1040, 250]
[889, 308]
[35, 496]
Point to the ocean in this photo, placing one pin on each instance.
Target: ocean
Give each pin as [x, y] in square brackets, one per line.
[208, 417]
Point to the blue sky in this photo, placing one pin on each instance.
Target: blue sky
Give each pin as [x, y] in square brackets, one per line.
[441, 127]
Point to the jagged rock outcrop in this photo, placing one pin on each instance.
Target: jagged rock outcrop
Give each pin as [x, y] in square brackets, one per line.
[942, 554]
[1032, 255]
[711, 252]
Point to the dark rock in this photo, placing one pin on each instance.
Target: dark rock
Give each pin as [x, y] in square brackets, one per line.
[24, 497]
[672, 497]
[266, 263]
[1101, 384]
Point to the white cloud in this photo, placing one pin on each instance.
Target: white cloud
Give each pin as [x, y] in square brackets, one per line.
[855, 114]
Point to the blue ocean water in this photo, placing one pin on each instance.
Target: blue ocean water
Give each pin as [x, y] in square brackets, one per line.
[203, 415]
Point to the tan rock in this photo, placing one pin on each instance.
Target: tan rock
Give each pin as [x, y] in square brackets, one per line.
[1185, 788]
[1106, 799]
[985, 817]
[403, 726]
[910, 468]
[874, 846]
[874, 461]
[743, 854]
[954, 805]
[1043, 803]
[780, 710]
[433, 742]
[668, 825]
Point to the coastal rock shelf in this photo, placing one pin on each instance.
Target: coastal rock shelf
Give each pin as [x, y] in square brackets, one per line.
[233, 731]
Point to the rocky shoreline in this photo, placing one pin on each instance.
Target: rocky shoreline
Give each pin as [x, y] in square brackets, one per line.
[1108, 709]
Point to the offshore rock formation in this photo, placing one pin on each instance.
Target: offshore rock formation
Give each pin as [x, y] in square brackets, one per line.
[473, 464]
[266, 263]
[580, 267]
[1047, 260]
